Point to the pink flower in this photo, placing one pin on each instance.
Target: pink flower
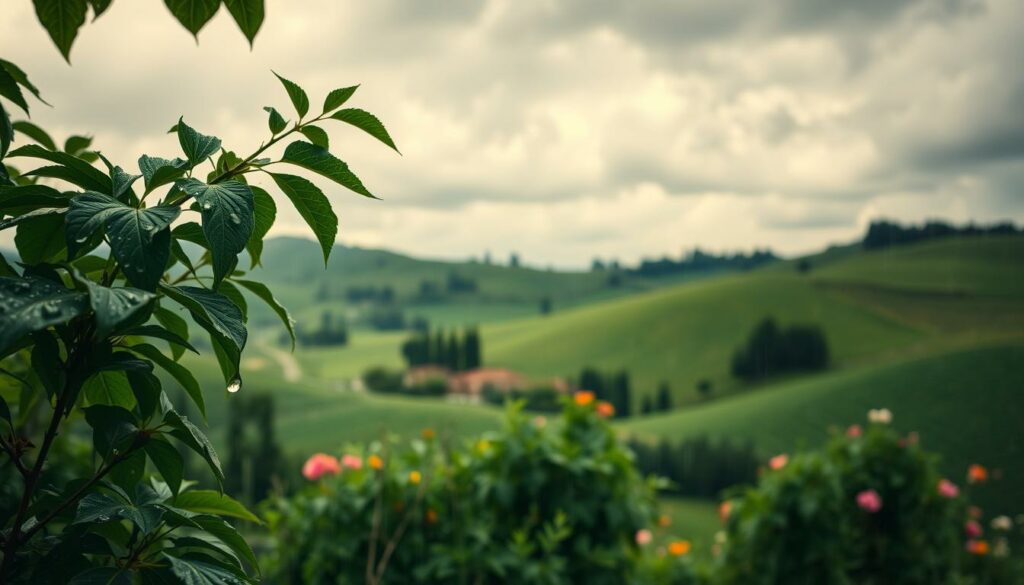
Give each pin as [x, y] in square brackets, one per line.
[972, 529]
[643, 537]
[869, 501]
[947, 489]
[319, 465]
[778, 462]
[854, 431]
[351, 462]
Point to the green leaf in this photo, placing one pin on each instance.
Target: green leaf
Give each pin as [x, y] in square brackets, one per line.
[338, 97]
[227, 210]
[260, 290]
[102, 507]
[22, 79]
[148, 392]
[194, 439]
[160, 171]
[174, 340]
[313, 206]
[47, 364]
[228, 359]
[227, 534]
[235, 296]
[296, 94]
[74, 145]
[114, 307]
[13, 221]
[111, 388]
[316, 135]
[248, 14]
[35, 133]
[197, 147]
[113, 428]
[141, 242]
[40, 239]
[103, 576]
[167, 461]
[31, 197]
[193, 14]
[264, 214]
[196, 572]
[10, 90]
[86, 214]
[6, 132]
[175, 324]
[61, 19]
[5, 413]
[211, 502]
[366, 122]
[99, 7]
[32, 304]
[276, 120]
[179, 372]
[317, 159]
[212, 310]
[80, 172]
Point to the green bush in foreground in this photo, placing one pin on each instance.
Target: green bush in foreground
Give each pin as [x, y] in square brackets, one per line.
[561, 502]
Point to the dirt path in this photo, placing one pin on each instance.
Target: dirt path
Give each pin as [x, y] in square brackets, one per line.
[290, 368]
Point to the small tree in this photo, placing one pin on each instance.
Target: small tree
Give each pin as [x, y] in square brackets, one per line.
[664, 400]
[704, 387]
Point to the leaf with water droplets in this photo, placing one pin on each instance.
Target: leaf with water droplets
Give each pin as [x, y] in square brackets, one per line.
[211, 310]
[141, 242]
[87, 212]
[32, 304]
[228, 220]
[114, 308]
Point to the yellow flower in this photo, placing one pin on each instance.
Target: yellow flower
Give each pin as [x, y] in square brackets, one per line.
[415, 477]
[679, 548]
[375, 462]
[483, 445]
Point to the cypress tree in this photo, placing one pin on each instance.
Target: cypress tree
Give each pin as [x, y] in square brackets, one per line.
[472, 351]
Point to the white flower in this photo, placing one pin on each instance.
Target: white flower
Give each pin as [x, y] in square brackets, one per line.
[1002, 523]
[882, 416]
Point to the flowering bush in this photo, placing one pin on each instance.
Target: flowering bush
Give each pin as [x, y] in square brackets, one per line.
[540, 502]
[870, 508]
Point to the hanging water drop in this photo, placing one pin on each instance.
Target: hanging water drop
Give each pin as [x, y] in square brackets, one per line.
[235, 385]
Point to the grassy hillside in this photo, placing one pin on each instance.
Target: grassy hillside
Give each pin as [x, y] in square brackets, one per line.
[966, 405]
[686, 333]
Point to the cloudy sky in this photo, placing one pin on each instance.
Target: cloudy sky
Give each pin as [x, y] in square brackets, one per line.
[569, 129]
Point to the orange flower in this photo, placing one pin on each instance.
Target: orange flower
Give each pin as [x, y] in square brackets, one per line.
[977, 474]
[978, 547]
[664, 521]
[584, 397]
[679, 548]
[431, 516]
[723, 510]
[375, 462]
[605, 409]
[415, 477]
[427, 434]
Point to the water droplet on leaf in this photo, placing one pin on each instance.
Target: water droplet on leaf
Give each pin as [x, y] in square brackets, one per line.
[235, 385]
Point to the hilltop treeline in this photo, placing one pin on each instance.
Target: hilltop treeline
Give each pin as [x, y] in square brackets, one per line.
[698, 467]
[455, 351]
[883, 233]
[700, 261]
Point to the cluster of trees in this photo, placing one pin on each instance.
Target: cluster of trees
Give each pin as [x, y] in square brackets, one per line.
[432, 291]
[356, 294]
[255, 461]
[882, 234]
[612, 387]
[699, 261]
[698, 467]
[331, 332]
[662, 400]
[455, 351]
[387, 381]
[772, 350]
[540, 399]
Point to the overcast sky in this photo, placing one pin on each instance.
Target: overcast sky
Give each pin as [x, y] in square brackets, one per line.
[569, 129]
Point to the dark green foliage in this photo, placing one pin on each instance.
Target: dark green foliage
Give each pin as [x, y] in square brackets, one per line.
[545, 305]
[331, 332]
[771, 350]
[253, 454]
[77, 319]
[611, 387]
[663, 399]
[698, 467]
[697, 262]
[704, 387]
[457, 352]
[383, 380]
[882, 234]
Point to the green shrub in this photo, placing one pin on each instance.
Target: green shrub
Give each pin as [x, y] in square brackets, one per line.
[870, 508]
[539, 502]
